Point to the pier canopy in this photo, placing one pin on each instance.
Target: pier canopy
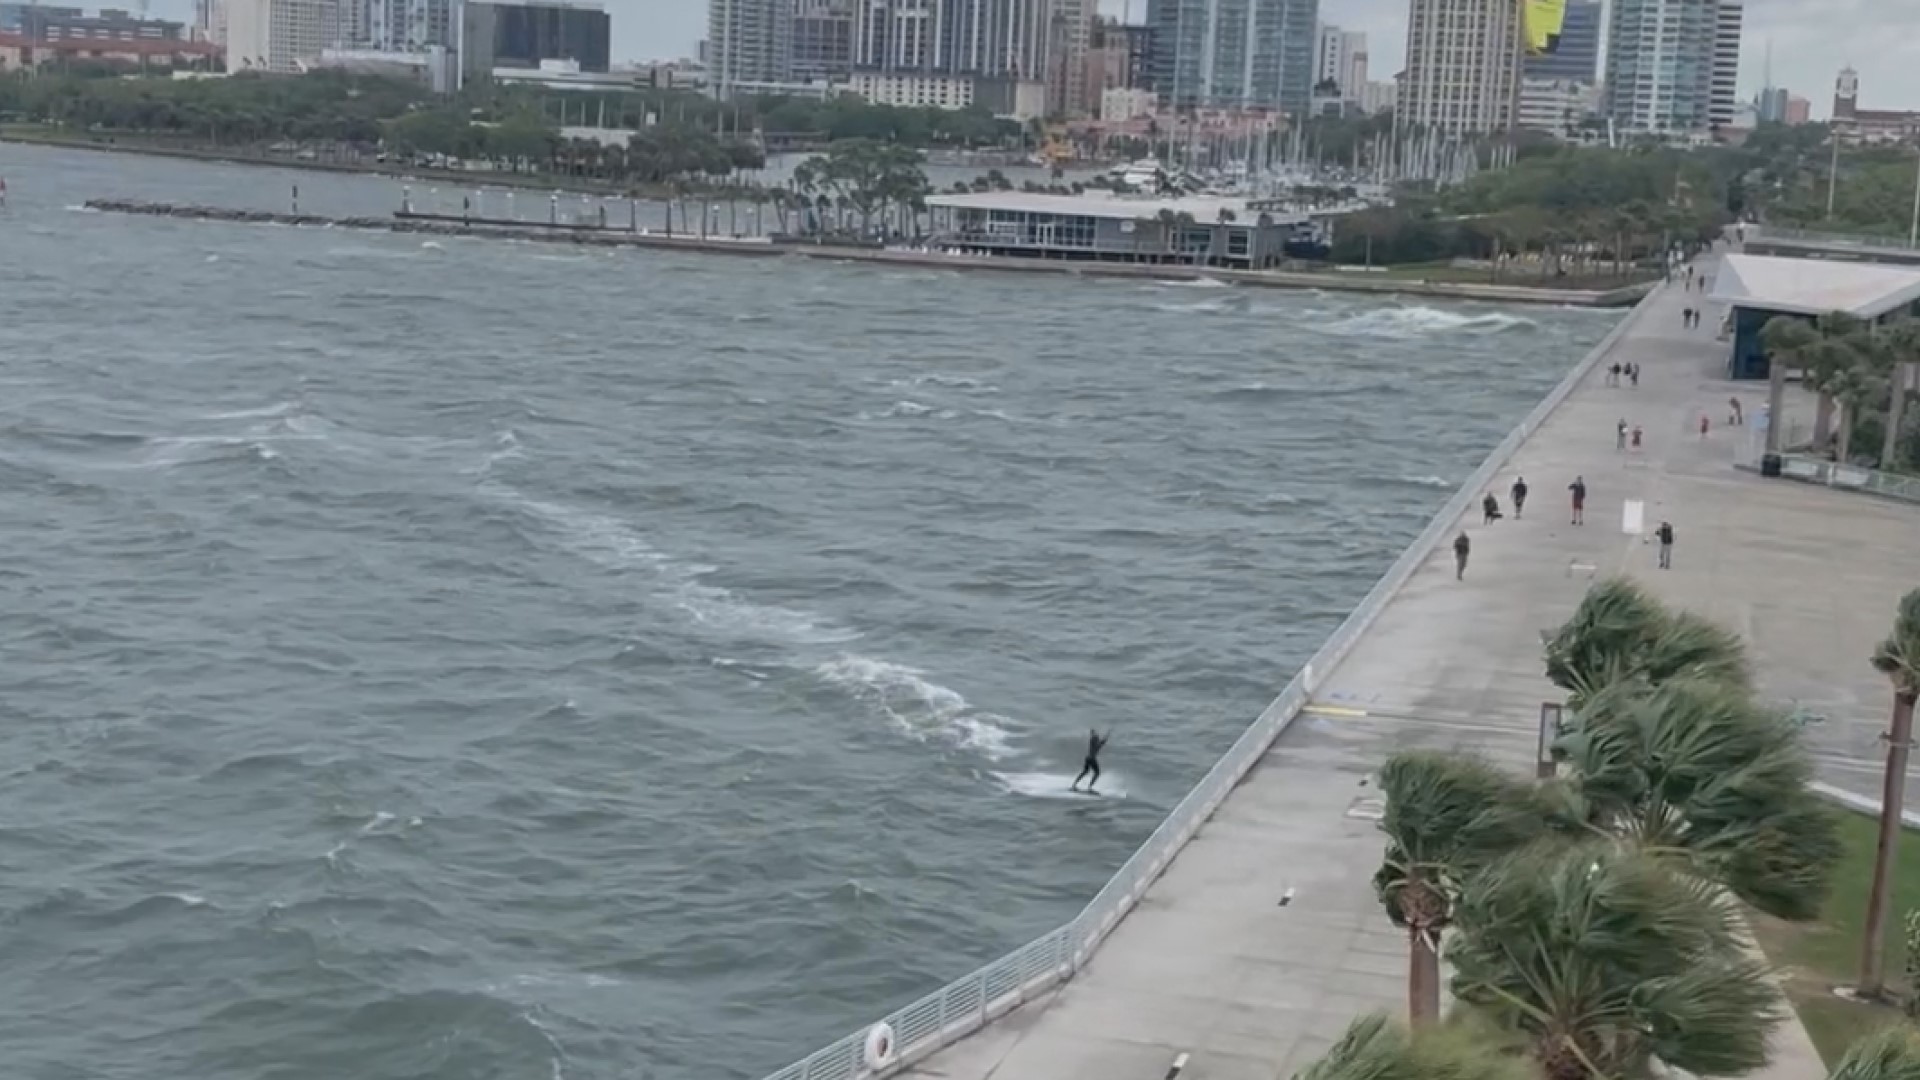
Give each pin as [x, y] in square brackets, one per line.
[1193, 230]
[1758, 288]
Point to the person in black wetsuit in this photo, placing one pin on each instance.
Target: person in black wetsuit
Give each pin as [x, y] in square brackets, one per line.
[1095, 743]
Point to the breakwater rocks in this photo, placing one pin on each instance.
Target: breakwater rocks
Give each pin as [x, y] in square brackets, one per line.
[613, 236]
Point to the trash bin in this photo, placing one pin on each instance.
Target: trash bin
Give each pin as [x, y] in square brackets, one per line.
[1770, 465]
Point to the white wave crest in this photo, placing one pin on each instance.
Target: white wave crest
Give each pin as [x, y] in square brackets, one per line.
[922, 708]
[1408, 322]
[616, 545]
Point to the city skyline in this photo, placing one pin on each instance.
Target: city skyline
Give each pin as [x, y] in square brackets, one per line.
[1809, 47]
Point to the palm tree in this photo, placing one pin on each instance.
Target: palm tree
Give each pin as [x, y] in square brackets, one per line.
[1898, 658]
[1789, 341]
[1446, 816]
[1903, 348]
[1695, 774]
[1374, 1048]
[1620, 633]
[1892, 1053]
[1601, 963]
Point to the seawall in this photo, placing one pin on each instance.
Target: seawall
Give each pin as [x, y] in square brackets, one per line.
[615, 237]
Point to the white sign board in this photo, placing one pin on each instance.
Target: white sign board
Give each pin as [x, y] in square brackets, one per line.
[1633, 517]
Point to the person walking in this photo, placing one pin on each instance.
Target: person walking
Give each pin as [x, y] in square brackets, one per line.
[1461, 547]
[1620, 434]
[1519, 497]
[1664, 534]
[1489, 509]
[1613, 374]
[1735, 414]
[1578, 489]
[1633, 374]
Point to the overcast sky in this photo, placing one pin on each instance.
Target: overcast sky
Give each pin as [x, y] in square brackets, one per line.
[1812, 40]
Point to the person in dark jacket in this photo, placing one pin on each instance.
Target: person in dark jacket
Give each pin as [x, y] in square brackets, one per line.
[1461, 547]
[1519, 494]
[1096, 742]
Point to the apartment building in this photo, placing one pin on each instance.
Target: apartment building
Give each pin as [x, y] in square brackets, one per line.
[1463, 66]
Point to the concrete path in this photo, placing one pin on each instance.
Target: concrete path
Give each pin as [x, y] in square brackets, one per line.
[1211, 964]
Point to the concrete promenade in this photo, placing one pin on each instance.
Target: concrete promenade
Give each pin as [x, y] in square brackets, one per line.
[1212, 965]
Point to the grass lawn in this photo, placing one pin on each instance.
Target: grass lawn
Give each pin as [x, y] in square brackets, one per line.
[1818, 956]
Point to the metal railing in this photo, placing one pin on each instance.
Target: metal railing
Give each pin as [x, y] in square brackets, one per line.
[1837, 239]
[1851, 477]
[964, 1006]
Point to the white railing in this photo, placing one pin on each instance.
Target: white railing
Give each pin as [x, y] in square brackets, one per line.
[1852, 477]
[960, 1008]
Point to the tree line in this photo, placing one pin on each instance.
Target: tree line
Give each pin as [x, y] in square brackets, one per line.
[1592, 920]
[1861, 372]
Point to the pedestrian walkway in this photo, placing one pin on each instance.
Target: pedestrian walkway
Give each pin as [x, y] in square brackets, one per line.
[1213, 964]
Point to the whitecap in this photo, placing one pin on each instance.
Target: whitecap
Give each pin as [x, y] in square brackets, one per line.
[920, 707]
[1403, 323]
[1050, 785]
[617, 546]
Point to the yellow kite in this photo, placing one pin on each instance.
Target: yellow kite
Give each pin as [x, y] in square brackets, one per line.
[1542, 19]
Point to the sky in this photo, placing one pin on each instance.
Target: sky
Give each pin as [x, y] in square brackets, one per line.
[1812, 40]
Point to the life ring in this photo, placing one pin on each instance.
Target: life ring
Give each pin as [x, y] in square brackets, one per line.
[880, 1047]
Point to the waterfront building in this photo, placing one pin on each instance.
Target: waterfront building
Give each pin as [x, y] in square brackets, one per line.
[1868, 125]
[1463, 66]
[749, 42]
[1760, 287]
[1011, 98]
[1235, 54]
[1572, 56]
[822, 37]
[279, 36]
[1671, 66]
[1556, 107]
[1233, 233]
[524, 34]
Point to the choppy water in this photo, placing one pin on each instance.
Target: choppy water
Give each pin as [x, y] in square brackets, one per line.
[467, 659]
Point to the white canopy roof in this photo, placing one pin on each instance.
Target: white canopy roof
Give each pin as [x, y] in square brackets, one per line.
[1815, 286]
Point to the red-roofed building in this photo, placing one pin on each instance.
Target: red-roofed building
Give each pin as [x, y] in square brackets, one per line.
[18, 52]
[1868, 125]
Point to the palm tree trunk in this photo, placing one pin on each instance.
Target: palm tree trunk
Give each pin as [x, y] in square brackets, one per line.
[1822, 423]
[1776, 401]
[1896, 408]
[1423, 977]
[1873, 939]
[1845, 417]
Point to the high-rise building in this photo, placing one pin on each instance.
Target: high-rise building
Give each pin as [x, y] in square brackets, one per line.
[1726, 64]
[1671, 65]
[279, 36]
[1070, 33]
[1573, 55]
[1340, 58]
[1000, 39]
[748, 42]
[1799, 109]
[1554, 106]
[822, 41]
[523, 33]
[1235, 54]
[1771, 105]
[1463, 66]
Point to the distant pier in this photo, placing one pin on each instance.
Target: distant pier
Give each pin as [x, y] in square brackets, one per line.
[616, 235]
